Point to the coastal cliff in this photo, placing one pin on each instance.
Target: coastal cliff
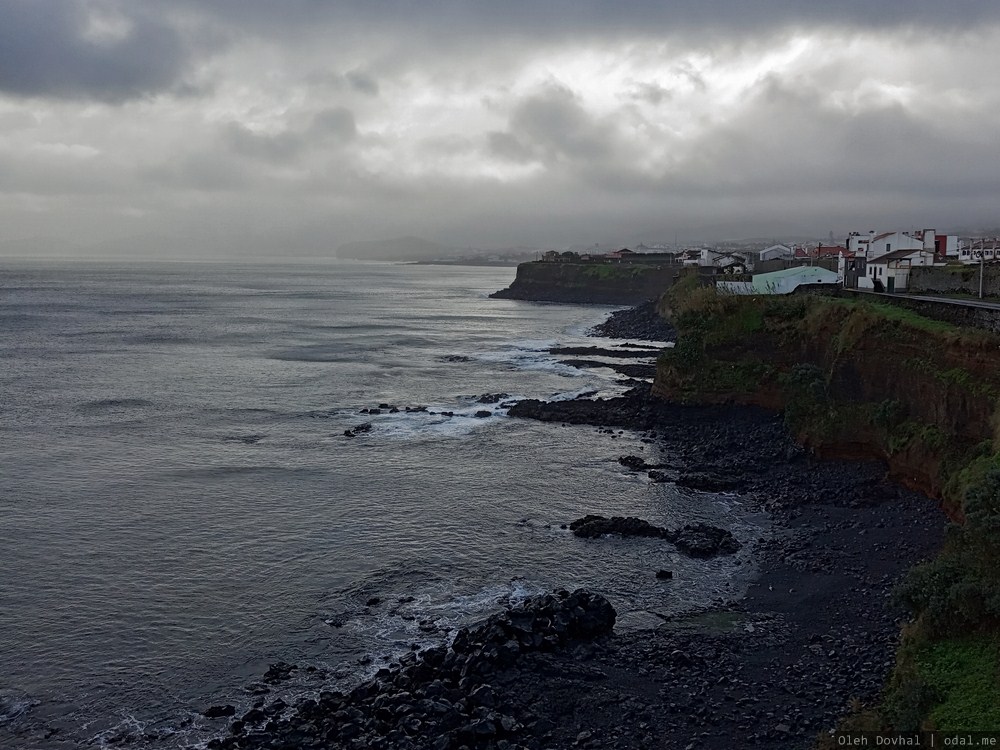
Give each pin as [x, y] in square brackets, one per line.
[589, 282]
[857, 379]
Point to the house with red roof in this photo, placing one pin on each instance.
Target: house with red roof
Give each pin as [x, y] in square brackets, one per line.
[872, 245]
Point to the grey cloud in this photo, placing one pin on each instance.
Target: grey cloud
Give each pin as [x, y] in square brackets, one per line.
[555, 123]
[453, 21]
[45, 51]
[336, 121]
[279, 147]
[199, 171]
[651, 92]
[790, 142]
[508, 147]
[362, 82]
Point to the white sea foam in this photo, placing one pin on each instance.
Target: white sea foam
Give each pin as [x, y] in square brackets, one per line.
[459, 422]
[441, 611]
[530, 354]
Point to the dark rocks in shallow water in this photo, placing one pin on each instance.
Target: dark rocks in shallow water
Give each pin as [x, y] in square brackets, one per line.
[591, 526]
[373, 601]
[709, 482]
[278, 672]
[358, 430]
[597, 351]
[218, 712]
[483, 413]
[695, 540]
[635, 463]
[664, 575]
[492, 398]
[702, 540]
[441, 697]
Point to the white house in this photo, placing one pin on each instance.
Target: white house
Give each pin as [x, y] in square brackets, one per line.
[732, 262]
[891, 272]
[776, 252]
[985, 249]
[872, 245]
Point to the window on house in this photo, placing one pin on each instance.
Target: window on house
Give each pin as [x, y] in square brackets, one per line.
[888, 247]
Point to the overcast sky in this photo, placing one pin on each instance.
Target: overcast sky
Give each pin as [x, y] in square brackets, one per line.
[271, 127]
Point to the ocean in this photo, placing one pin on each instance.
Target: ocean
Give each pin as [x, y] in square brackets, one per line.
[180, 506]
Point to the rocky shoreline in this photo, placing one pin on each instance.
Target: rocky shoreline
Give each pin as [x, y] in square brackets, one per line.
[772, 670]
[814, 632]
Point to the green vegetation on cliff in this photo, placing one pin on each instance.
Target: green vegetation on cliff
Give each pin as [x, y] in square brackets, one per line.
[863, 380]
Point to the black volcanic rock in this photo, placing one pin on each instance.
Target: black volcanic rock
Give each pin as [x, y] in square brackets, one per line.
[599, 351]
[443, 697]
[702, 540]
[641, 322]
[591, 526]
[218, 712]
[695, 540]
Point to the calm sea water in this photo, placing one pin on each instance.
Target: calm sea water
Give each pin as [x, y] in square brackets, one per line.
[179, 506]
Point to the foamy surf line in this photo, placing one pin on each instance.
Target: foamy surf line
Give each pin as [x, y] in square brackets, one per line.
[398, 622]
[450, 421]
[529, 354]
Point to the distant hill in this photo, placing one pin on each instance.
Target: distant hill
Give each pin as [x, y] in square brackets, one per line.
[398, 248]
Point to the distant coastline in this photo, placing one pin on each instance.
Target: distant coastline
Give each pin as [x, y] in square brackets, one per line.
[461, 262]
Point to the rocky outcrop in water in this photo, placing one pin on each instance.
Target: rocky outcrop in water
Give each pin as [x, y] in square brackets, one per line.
[694, 540]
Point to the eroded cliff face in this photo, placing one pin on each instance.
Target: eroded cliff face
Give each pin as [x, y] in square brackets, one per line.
[855, 380]
[593, 283]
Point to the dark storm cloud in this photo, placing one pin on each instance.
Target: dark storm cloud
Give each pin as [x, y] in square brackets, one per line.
[57, 48]
[362, 81]
[46, 48]
[447, 18]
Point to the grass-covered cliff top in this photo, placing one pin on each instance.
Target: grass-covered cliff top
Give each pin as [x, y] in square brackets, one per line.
[860, 379]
